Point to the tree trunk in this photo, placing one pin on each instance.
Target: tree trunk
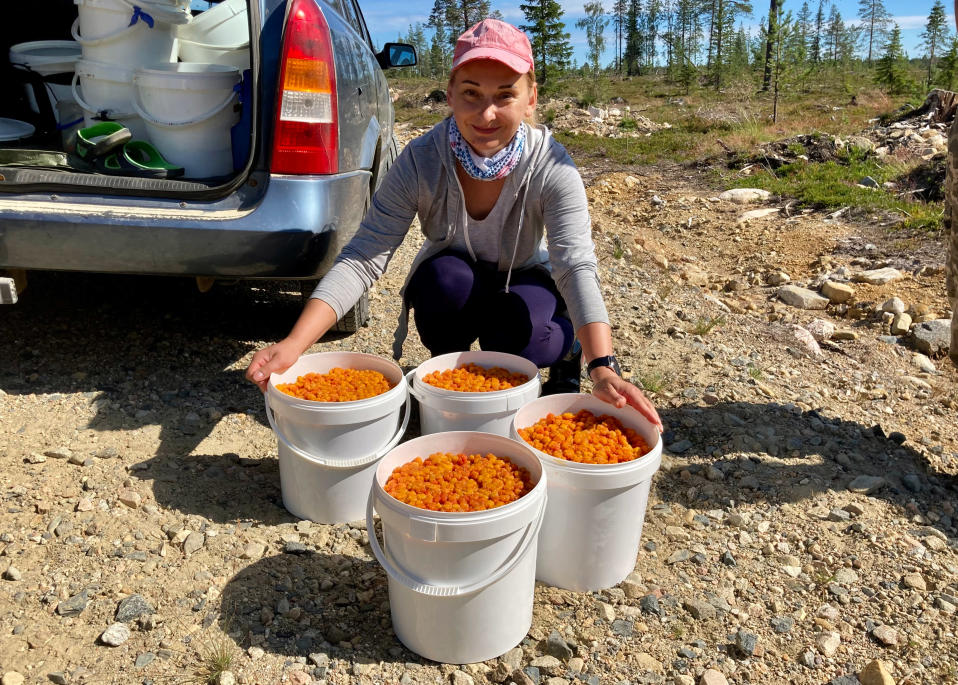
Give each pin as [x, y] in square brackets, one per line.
[770, 43]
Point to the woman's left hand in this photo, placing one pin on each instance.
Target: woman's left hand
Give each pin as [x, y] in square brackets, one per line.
[617, 391]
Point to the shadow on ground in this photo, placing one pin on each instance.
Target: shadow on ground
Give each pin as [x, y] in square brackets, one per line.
[745, 451]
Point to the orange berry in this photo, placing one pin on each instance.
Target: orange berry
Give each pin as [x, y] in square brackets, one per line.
[475, 378]
[339, 385]
[585, 438]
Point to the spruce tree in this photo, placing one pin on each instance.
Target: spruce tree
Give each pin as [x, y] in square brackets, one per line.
[770, 36]
[439, 51]
[816, 47]
[874, 16]
[462, 14]
[619, 10]
[947, 74]
[550, 41]
[633, 38]
[890, 71]
[935, 35]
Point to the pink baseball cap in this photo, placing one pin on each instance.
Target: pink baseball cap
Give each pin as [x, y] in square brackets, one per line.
[494, 39]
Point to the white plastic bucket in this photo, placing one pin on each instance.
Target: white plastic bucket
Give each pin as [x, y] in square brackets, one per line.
[189, 111]
[220, 35]
[105, 93]
[328, 451]
[490, 412]
[593, 525]
[127, 33]
[47, 58]
[460, 584]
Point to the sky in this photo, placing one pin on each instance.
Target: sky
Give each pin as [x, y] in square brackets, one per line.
[386, 22]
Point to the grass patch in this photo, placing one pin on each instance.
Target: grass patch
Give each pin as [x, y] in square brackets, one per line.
[704, 325]
[653, 381]
[668, 145]
[833, 185]
[216, 654]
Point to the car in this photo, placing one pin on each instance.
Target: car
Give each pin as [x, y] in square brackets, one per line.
[293, 199]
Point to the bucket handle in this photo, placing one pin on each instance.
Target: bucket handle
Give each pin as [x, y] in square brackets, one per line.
[351, 463]
[531, 534]
[146, 116]
[96, 112]
[75, 32]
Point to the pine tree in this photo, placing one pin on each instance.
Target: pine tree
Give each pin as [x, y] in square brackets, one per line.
[653, 20]
[935, 35]
[633, 39]
[874, 16]
[550, 40]
[947, 75]
[771, 34]
[462, 14]
[890, 71]
[816, 47]
[440, 55]
[619, 10]
[722, 24]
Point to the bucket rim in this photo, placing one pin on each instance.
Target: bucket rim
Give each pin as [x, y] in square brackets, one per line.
[69, 46]
[629, 416]
[452, 360]
[463, 517]
[95, 69]
[352, 405]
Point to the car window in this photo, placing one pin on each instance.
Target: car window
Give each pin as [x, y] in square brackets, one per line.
[354, 17]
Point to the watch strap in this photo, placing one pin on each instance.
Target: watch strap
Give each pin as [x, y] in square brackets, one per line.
[608, 360]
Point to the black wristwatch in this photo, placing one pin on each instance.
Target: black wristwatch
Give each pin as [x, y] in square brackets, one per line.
[608, 360]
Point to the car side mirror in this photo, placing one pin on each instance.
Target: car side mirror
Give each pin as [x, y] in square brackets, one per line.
[396, 55]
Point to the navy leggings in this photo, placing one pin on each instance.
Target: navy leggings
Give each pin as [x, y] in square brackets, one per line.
[457, 301]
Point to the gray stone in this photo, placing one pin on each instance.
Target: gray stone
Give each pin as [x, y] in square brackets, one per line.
[782, 624]
[838, 515]
[915, 581]
[893, 305]
[745, 643]
[743, 196]
[225, 678]
[701, 610]
[622, 628]
[828, 642]
[680, 446]
[878, 276]
[867, 484]
[58, 678]
[932, 337]
[12, 573]
[193, 543]
[650, 605]
[59, 453]
[679, 556]
[886, 635]
[802, 298]
[144, 659]
[132, 608]
[836, 292]
[912, 481]
[115, 635]
[74, 605]
[555, 646]
[846, 576]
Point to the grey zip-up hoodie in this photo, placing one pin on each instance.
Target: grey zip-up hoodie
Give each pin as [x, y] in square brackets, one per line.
[548, 196]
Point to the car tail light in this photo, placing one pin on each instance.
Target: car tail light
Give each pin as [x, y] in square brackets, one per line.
[306, 139]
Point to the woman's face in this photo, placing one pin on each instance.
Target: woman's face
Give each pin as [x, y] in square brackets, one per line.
[489, 101]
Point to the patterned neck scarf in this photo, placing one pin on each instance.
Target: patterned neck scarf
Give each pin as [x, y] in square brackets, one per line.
[486, 168]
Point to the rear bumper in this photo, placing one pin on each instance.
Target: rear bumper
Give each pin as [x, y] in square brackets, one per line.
[293, 229]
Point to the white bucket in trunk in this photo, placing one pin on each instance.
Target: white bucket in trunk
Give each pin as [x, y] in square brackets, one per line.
[460, 583]
[220, 35]
[328, 451]
[121, 32]
[189, 111]
[105, 92]
[47, 58]
[593, 525]
[491, 412]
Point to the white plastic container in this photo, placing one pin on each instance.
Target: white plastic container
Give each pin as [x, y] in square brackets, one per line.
[593, 525]
[47, 58]
[220, 35]
[328, 451]
[460, 584]
[106, 92]
[490, 412]
[189, 111]
[127, 33]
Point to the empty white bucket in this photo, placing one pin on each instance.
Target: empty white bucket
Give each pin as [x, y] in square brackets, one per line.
[189, 111]
[47, 58]
[460, 583]
[491, 412]
[328, 451]
[127, 33]
[105, 92]
[593, 525]
[220, 35]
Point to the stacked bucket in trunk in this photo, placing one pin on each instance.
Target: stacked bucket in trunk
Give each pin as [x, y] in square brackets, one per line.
[129, 73]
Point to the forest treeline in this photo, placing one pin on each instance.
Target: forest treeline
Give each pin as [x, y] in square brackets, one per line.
[706, 43]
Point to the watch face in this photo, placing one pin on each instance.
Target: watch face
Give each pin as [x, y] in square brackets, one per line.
[615, 366]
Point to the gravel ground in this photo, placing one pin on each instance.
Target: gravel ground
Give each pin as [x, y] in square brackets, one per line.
[801, 529]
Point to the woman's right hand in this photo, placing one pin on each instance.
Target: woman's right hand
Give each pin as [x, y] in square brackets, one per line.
[273, 359]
